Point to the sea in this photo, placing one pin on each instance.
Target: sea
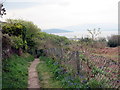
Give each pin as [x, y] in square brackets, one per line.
[83, 34]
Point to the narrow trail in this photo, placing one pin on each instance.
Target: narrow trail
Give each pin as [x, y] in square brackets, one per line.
[33, 81]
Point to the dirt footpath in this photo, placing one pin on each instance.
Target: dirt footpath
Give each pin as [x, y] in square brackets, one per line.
[33, 81]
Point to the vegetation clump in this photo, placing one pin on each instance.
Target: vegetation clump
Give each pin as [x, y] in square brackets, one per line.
[15, 71]
[26, 36]
[66, 79]
[114, 41]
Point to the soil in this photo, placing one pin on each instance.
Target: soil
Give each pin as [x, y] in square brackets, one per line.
[107, 50]
[33, 81]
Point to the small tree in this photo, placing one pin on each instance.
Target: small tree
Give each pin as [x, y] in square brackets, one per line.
[94, 33]
[12, 29]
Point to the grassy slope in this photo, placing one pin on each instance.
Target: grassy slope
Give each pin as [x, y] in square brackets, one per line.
[45, 76]
[15, 71]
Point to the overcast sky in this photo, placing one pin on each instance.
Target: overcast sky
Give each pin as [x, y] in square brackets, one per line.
[62, 13]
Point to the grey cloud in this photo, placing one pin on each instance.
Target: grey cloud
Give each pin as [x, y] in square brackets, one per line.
[42, 2]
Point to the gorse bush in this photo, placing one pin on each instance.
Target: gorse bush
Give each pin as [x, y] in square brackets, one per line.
[15, 71]
[17, 42]
[23, 33]
[14, 29]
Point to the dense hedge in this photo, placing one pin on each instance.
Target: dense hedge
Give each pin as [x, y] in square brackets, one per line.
[114, 41]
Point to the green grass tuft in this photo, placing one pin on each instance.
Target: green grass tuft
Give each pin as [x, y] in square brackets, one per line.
[46, 77]
[15, 71]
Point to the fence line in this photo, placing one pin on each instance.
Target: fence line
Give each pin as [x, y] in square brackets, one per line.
[73, 58]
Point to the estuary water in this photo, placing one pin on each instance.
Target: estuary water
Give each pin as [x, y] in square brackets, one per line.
[104, 34]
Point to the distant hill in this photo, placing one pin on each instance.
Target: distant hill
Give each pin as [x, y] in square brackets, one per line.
[84, 27]
[55, 31]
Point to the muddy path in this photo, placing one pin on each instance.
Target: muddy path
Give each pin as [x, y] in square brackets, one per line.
[33, 81]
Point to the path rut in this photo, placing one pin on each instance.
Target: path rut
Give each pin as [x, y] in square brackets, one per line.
[33, 81]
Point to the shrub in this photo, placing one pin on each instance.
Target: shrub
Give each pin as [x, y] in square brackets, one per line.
[85, 39]
[102, 39]
[100, 43]
[113, 41]
[17, 42]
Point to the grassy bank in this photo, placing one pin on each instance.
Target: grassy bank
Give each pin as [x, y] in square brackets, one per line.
[46, 77]
[52, 75]
[15, 71]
